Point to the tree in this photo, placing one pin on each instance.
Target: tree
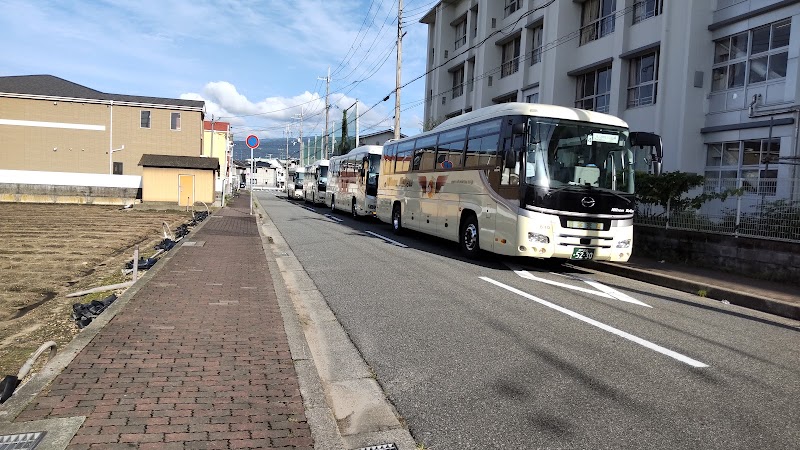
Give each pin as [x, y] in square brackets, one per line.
[668, 189]
[344, 143]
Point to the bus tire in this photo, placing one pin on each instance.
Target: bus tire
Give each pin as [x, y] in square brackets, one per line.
[469, 237]
[397, 222]
[353, 209]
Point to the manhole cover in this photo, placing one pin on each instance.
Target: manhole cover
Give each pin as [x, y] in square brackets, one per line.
[24, 441]
[380, 447]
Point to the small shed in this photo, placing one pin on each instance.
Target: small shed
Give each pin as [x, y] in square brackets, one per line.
[185, 179]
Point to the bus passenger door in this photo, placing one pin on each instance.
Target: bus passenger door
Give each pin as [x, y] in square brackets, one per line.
[508, 186]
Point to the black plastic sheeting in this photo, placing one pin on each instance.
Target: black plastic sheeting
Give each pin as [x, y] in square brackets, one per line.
[83, 313]
[144, 263]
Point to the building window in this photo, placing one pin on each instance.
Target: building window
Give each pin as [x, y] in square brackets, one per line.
[117, 168]
[507, 99]
[646, 9]
[643, 80]
[536, 53]
[475, 22]
[145, 119]
[510, 58]
[175, 121]
[593, 90]
[458, 82]
[597, 19]
[512, 6]
[532, 97]
[755, 56]
[461, 33]
[727, 162]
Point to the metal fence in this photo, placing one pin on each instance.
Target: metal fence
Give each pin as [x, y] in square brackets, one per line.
[756, 208]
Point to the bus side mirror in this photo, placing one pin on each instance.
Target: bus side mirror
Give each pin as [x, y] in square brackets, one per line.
[642, 139]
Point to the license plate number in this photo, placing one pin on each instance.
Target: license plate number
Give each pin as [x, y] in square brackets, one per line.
[582, 253]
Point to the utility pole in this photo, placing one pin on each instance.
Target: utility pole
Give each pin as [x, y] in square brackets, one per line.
[327, 109]
[356, 123]
[286, 175]
[301, 132]
[399, 64]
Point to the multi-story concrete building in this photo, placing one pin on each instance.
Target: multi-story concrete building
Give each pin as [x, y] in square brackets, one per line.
[717, 79]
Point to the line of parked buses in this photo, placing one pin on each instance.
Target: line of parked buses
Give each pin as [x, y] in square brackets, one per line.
[515, 179]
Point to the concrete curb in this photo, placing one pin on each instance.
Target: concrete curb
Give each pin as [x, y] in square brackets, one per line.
[767, 305]
[346, 407]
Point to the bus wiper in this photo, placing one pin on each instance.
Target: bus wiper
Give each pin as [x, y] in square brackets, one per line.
[592, 188]
[565, 187]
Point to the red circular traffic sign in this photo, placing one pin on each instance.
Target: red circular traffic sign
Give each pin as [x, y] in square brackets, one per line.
[252, 141]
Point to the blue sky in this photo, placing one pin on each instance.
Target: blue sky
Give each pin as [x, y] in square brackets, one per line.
[256, 63]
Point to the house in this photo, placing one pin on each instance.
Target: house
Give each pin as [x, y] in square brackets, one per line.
[53, 126]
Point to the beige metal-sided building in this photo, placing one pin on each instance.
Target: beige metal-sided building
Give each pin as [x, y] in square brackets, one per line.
[186, 180]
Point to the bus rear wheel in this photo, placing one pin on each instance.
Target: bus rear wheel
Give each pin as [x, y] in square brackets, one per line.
[397, 224]
[470, 243]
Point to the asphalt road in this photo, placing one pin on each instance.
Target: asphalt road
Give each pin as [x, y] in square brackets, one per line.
[511, 354]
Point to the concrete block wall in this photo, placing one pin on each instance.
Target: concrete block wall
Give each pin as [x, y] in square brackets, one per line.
[756, 258]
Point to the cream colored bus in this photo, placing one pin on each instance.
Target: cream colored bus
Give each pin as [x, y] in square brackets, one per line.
[353, 181]
[519, 179]
[315, 181]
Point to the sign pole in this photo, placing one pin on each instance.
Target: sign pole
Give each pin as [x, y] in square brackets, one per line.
[252, 142]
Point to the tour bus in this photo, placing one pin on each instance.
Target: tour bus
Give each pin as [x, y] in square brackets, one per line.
[520, 179]
[315, 181]
[294, 188]
[353, 181]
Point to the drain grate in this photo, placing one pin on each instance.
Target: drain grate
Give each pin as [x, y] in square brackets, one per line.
[380, 447]
[24, 441]
[194, 243]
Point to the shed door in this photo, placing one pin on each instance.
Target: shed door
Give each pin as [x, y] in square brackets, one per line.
[185, 190]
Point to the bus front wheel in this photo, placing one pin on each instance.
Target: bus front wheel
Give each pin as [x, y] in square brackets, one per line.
[469, 241]
[397, 224]
[353, 209]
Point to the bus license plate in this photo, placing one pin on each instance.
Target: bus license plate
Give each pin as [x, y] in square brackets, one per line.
[583, 253]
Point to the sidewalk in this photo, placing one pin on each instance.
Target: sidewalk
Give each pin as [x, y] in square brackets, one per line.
[196, 357]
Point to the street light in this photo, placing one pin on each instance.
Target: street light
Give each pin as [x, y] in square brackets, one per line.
[111, 159]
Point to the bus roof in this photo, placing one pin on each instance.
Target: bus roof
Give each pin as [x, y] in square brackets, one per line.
[531, 109]
[371, 149]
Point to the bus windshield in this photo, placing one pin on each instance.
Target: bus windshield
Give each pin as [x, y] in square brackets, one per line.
[374, 169]
[563, 154]
[323, 174]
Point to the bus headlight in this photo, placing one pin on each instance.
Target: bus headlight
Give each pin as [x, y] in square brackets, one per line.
[540, 238]
[625, 243]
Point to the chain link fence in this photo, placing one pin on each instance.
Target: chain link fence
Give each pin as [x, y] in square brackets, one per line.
[763, 208]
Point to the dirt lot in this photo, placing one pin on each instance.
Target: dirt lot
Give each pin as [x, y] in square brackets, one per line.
[48, 251]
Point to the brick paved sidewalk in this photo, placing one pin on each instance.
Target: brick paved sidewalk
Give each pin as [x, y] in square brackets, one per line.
[197, 359]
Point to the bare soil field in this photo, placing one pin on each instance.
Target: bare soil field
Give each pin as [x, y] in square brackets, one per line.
[48, 251]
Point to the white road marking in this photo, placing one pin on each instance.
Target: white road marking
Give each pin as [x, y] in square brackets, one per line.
[602, 290]
[602, 326]
[610, 291]
[335, 219]
[386, 239]
[529, 276]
